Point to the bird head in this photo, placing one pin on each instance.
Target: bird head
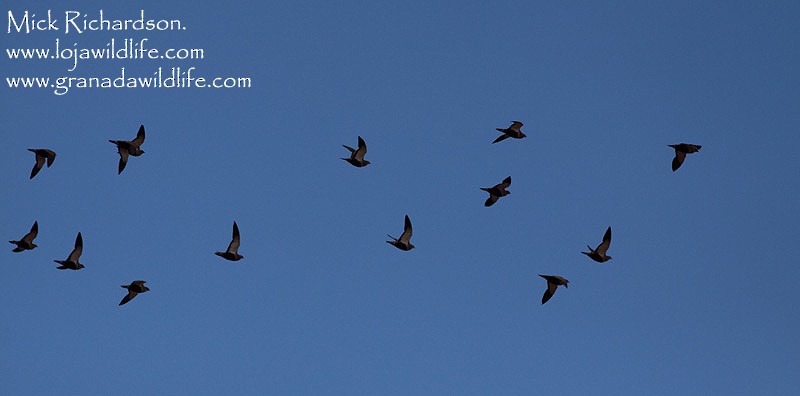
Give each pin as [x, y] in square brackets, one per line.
[365, 163]
[34, 246]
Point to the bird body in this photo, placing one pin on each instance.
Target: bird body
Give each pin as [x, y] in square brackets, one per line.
[357, 155]
[404, 242]
[134, 288]
[553, 282]
[26, 243]
[126, 148]
[497, 191]
[599, 253]
[512, 131]
[232, 253]
[42, 156]
[72, 260]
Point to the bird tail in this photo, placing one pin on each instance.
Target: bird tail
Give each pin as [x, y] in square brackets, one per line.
[395, 239]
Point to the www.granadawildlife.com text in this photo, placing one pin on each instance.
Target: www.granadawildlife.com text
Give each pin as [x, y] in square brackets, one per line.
[173, 78]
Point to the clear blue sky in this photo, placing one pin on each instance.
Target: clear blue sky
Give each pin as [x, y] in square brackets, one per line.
[700, 297]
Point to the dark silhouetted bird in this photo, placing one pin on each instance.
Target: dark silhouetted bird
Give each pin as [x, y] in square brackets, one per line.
[125, 148]
[553, 282]
[599, 254]
[134, 288]
[72, 260]
[357, 156]
[42, 155]
[513, 131]
[680, 153]
[499, 190]
[232, 253]
[404, 242]
[26, 243]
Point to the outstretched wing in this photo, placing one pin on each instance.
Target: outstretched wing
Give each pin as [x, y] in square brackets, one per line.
[38, 165]
[500, 138]
[678, 160]
[123, 158]
[139, 137]
[29, 237]
[551, 289]
[76, 253]
[505, 184]
[352, 150]
[131, 294]
[491, 200]
[362, 150]
[515, 126]
[603, 246]
[406, 236]
[51, 156]
[233, 247]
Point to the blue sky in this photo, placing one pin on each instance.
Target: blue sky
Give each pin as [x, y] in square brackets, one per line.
[700, 297]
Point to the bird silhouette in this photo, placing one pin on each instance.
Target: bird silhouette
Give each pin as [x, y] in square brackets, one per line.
[511, 132]
[404, 242]
[42, 155]
[26, 243]
[72, 260]
[680, 153]
[499, 190]
[134, 288]
[553, 282]
[357, 156]
[232, 253]
[599, 254]
[126, 148]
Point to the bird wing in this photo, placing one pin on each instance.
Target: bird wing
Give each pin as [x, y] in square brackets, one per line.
[515, 126]
[123, 158]
[551, 289]
[678, 160]
[500, 138]
[29, 237]
[603, 246]
[139, 137]
[131, 294]
[76, 253]
[406, 236]
[491, 200]
[38, 165]
[362, 150]
[352, 150]
[233, 247]
[51, 156]
[505, 184]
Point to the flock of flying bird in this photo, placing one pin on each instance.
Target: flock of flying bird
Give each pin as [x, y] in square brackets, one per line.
[127, 148]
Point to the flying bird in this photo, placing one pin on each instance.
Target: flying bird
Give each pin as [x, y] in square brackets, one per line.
[553, 282]
[513, 131]
[26, 243]
[404, 242]
[232, 253]
[125, 148]
[680, 153]
[134, 288]
[42, 155]
[599, 254]
[72, 260]
[499, 190]
[357, 156]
